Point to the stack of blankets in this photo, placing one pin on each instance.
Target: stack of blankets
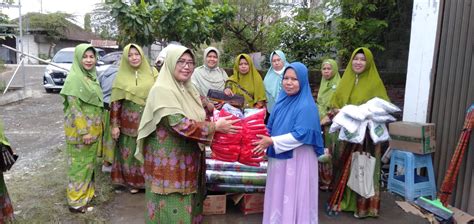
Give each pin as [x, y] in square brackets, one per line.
[231, 166]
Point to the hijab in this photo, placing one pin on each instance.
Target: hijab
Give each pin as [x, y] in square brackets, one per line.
[133, 83]
[205, 78]
[252, 81]
[168, 97]
[82, 83]
[296, 114]
[273, 80]
[327, 87]
[356, 89]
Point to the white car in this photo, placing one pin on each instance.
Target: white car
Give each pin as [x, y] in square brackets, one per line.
[54, 77]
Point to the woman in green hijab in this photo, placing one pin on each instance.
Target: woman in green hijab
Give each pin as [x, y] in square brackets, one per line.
[171, 129]
[329, 80]
[246, 81]
[83, 112]
[6, 208]
[360, 83]
[134, 79]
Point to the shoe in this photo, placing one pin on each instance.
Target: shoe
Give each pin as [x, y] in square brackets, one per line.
[77, 210]
[106, 169]
[134, 191]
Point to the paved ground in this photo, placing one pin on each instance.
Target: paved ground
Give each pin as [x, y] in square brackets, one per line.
[35, 128]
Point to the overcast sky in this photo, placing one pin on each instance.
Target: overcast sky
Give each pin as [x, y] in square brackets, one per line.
[75, 7]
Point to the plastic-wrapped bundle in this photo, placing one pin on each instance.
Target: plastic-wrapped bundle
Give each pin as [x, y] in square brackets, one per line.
[233, 177]
[236, 188]
[253, 125]
[226, 147]
[212, 164]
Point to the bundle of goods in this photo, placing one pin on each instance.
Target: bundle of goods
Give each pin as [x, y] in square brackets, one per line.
[234, 177]
[238, 146]
[352, 121]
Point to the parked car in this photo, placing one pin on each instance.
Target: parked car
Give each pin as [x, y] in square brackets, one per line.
[112, 58]
[54, 77]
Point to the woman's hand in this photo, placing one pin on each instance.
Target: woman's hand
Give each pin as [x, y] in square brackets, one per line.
[87, 139]
[325, 120]
[115, 133]
[262, 144]
[225, 125]
[228, 92]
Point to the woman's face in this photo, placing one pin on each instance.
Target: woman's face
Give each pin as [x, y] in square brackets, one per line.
[359, 63]
[184, 68]
[291, 85]
[211, 59]
[277, 63]
[243, 66]
[88, 60]
[327, 71]
[134, 57]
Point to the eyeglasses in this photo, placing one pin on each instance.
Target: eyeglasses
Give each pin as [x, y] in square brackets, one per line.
[183, 63]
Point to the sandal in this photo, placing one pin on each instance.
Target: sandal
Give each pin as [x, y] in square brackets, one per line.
[78, 210]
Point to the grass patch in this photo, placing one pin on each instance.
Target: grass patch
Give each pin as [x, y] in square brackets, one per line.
[40, 196]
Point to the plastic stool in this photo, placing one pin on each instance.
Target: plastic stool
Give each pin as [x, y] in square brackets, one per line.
[410, 184]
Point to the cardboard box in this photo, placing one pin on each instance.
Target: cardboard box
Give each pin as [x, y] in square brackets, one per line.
[250, 203]
[412, 136]
[214, 204]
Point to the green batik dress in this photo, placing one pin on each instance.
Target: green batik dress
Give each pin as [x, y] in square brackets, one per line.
[81, 118]
[175, 170]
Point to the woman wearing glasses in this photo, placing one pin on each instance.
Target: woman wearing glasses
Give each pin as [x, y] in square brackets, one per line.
[172, 127]
[134, 79]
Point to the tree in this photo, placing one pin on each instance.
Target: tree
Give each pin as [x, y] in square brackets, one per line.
[188, 22]
[102, 22]
[304, 36]
[360, 23]
[249, 31]
[53, 25]
[87, 22]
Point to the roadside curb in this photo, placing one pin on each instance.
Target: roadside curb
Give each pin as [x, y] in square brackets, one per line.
[14, 96]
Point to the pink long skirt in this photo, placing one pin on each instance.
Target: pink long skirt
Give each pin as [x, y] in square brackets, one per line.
[291, 193]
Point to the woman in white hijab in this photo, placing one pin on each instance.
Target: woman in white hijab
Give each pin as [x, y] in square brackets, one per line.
[209, 75]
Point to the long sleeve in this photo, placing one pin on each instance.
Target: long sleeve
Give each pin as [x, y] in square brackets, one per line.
[199, 131]
[286, 142]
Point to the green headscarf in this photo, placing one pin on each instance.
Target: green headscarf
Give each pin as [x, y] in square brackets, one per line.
[368, 86]
[3, 138]
[168, 97]
[81, 83]
[133, 83]
[252, 81]
[327, 88]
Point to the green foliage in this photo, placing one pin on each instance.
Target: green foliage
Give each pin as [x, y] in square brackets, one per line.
[304, 37]
[134, 22]
[55, 24]
[250, 30]
[360, 23]
[87, 22]
[102, 22]
[4, 18]
[188, 22]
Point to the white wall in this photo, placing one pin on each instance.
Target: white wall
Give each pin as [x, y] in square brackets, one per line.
[420, 59]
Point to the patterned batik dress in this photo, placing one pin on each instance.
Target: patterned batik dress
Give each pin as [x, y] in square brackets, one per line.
[126, 169]
[175, 170]
[80, 119]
